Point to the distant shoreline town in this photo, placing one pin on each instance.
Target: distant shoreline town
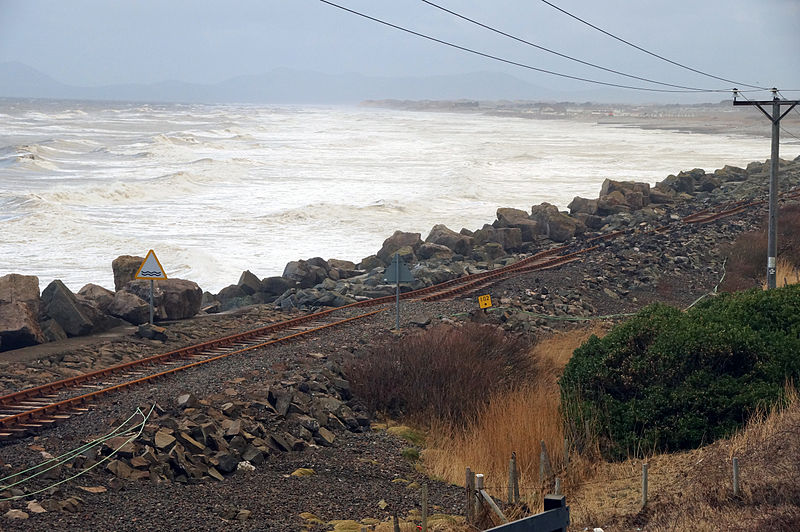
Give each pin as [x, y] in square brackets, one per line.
[716, 118]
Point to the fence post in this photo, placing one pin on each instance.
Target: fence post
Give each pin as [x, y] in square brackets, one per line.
[735, 477]
[512, 477]
[470, 496]
[545, 468]
[557, 489]
[425, 507]
[644, 485]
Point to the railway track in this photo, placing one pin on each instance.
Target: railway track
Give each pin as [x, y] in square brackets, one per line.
[31, 410]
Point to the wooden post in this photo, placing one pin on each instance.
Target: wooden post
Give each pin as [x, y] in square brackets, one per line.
[493, 505]
[557, 488]
[478, 482]
[644, 485]
[512, 475]
[469, 485]
[545, 468]
[425, 507]
[735, 477]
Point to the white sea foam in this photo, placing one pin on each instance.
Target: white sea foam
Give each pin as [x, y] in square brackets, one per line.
[219, 189]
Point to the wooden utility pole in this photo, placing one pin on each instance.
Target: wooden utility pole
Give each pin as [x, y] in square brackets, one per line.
[775, 118]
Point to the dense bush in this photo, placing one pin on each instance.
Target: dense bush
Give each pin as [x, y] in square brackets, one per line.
[441, 373]
[672, 380]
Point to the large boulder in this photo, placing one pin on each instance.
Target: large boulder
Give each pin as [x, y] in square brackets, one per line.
[507, 217]
[434, 251]
[181, 299]
[20, 288]
[661, 196]
[580, 205]
[173, 299]
[129, 307]
[96, 295]
[304, 273]
[125, 268]
[276, 285]
[340, 264]
[683, 182]
[510, 239]
[371, 262]
[558, 226]
[397, 241]
[609, 186]
[18, 326]
[612, 203]
[441, 235]
[731, 173]
[76, 317]
[249, 283]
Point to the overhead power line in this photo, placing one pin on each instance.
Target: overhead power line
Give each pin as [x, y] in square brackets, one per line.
[559, 54]
[516, 63]
[620, 39]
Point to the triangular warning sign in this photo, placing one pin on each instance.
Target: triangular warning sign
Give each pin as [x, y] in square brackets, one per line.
[151, 268]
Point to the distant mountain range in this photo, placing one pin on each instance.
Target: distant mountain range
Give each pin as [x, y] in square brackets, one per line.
[291, 86]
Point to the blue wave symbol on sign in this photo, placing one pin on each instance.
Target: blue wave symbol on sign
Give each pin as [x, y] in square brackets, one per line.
[152, 274]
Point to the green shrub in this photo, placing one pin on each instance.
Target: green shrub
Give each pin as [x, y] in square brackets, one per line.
[671, 380]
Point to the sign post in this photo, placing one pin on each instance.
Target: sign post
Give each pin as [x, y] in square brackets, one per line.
[397, 273]
[151, 269]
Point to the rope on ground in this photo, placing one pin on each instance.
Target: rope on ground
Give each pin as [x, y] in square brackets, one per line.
[112, 434]
[714, 291]
[69, 454]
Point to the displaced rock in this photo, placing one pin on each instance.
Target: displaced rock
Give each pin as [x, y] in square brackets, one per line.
[428, 251]
[15, 514]
[62, 305]
[276, 286]
[459, 243]
[129, 307]
[181, 299]
[152, 332]
[613, 203]
[510, 239]
[125, 268]
[97, 296]
[18, 326]
[557, 226]
[371, 262]
[249, 283]
[53, 332]
[174, 299]
[396, 242]
[580, 205]
[304, 273]
[20, 288]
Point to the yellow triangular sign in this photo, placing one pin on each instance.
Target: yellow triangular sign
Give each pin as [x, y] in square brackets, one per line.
[151, 268]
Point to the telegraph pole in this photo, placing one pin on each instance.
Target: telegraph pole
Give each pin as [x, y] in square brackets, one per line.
[775, 118]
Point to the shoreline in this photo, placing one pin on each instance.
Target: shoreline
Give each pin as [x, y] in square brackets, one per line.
[713, 119]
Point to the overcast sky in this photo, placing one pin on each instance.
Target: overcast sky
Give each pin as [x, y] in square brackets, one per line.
[92, 42]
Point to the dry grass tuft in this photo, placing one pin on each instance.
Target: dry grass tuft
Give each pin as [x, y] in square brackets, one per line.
[786, 274]
[516, 420]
